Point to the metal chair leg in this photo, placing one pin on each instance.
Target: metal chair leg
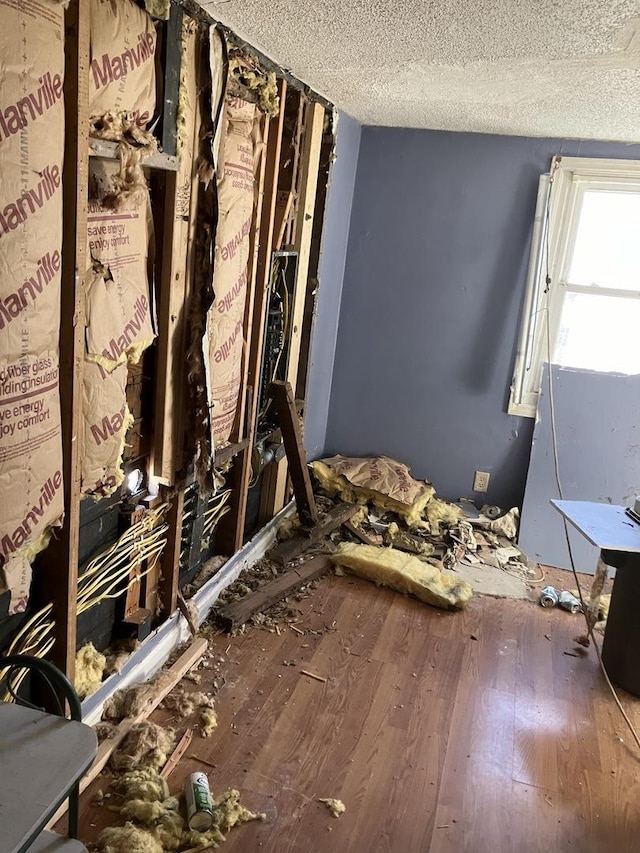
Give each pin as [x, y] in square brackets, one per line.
[74, 804]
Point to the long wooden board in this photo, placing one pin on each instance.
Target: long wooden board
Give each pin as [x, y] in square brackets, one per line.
[59, 583]
[292, 548]
[285, 404]
[179, 223]
[236, 614]
[230, 535]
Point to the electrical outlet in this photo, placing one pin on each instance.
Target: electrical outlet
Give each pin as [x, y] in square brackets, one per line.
[481, 481]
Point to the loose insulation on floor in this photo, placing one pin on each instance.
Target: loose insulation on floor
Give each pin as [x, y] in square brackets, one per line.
[184, 703]
[154, 822]
[208, 722]
[336, 807]
[145, 744]
[404, 573]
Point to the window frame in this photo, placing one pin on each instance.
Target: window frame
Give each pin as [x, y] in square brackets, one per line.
[559, 202]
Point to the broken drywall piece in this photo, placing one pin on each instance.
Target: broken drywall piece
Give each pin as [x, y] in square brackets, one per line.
[504, 525]
[403, 573]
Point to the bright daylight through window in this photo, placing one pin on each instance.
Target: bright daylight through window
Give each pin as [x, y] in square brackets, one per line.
[582, 303]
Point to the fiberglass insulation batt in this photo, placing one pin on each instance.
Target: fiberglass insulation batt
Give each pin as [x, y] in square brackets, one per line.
[31, 154]
[404, 573]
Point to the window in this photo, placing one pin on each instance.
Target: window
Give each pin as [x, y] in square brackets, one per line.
[582, 301]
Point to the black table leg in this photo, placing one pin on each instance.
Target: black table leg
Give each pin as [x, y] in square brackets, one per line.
[621, 646]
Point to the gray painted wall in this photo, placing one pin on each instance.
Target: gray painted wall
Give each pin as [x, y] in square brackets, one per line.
[431, 303]
[333, 252]
[598, 430]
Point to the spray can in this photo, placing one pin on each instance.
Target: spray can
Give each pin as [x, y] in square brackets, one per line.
[198, 799]
[569, 602]
[548, 596]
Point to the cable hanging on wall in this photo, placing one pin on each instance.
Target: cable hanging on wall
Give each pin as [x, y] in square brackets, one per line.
[109, 575]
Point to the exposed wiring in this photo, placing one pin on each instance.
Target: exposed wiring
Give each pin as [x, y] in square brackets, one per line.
[109, 575]
[556, 465]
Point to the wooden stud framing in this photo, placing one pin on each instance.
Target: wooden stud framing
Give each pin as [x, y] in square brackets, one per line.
[275, 478]
[168, 583]
[285, 405]
[179, 221]
[230, 534]
[58, 580]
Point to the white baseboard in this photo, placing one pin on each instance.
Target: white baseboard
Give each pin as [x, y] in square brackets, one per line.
[156, 648]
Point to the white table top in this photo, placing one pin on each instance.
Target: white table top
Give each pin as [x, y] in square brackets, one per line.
[41, 757]
[607, 527]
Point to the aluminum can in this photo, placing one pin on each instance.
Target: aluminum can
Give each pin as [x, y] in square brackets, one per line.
[198, 799]
[549, 596]
[569, 602]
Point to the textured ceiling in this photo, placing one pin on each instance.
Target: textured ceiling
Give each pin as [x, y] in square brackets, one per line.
[564, 68]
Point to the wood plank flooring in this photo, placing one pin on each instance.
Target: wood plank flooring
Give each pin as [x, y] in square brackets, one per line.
[464, 732]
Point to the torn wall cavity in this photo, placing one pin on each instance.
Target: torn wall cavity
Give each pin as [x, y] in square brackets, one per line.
[211, 82]
[119, 324]
[31, 155]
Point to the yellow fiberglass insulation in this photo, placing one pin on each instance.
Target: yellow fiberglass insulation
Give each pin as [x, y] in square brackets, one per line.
[90, 665]
[141, 784]
[184, 703]
[158, 8]
[145, 745]
[127, 839]
[154, 823]
[227, 813]
[336, 807]
[209, 722]
[404, 573]
[408, 500]
[440, 512]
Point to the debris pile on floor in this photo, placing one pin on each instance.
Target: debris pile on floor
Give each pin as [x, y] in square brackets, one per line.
[401, 535]
[404, 513]
[154, 820]
[254, 578]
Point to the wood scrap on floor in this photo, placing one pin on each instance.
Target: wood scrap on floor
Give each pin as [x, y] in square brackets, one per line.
[288, 550]
[238, 613]
[181, 747]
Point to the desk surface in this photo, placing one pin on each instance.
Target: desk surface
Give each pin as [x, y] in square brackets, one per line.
[607, 527]
[41, 757]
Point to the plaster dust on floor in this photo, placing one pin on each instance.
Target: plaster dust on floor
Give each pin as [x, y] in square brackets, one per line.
[522, 69]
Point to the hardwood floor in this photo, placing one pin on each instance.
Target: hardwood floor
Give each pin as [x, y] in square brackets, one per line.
[441, 732]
